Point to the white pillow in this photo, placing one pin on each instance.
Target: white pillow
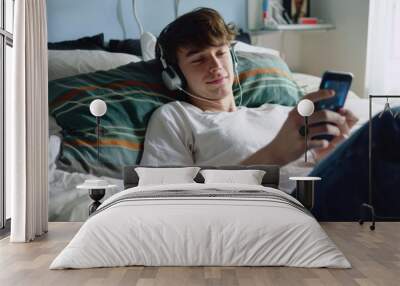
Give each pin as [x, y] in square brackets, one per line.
[248, 177]
[54, 150]
[163, 176]
[66, 63]
[148, 46]
[307, 82]
[243, 47]
[54, 128]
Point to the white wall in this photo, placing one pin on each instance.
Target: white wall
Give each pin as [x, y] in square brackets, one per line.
[344, 48]
[288, 43]
[71, 19]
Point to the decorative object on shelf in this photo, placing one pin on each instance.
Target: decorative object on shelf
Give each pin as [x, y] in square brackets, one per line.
[370, 205]
[297, 9]
[265, 12]
[304, 192]
[308, 20]
[305, 108]
[97, 190]
[268, 18]
[268, 14]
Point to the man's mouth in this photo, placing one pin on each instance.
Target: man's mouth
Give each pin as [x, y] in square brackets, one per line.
[217, 80]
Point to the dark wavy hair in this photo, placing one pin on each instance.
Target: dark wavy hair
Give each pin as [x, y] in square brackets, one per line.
[200, 28]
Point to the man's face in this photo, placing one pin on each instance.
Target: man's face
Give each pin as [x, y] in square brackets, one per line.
[208, 72]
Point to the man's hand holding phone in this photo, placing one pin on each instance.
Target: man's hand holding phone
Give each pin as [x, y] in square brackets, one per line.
[328, 126]
[340, 83]
[350, 121]
[331, 123]
[325, 123]
[289, 143]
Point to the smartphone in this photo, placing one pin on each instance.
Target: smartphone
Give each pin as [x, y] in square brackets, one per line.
[340, 82]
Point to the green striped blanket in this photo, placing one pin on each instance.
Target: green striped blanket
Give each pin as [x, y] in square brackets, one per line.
[132, 92]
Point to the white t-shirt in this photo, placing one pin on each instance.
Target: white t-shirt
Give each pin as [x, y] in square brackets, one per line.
[180, 133]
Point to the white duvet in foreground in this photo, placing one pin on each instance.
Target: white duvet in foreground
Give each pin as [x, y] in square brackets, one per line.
[188, 230]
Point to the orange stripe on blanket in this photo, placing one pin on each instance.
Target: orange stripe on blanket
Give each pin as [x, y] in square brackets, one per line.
[254, 72]
[106, 143]
[114, 85]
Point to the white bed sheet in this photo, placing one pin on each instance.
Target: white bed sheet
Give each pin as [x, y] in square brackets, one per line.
[188, 231]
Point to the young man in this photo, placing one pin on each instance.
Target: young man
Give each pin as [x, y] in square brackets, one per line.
[209, 129]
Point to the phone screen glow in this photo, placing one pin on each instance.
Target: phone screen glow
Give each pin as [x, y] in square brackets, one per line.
[341, 88]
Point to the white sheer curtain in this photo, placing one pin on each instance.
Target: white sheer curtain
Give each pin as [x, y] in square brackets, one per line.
[26, 129]
[383, 50]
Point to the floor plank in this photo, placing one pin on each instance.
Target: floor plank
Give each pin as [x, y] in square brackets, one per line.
[374, 255]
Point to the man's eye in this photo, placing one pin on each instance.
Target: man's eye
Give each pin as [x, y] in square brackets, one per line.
[196, 61]
[221, 53]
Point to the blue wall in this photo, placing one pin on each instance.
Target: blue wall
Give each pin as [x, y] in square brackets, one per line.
[71, 19]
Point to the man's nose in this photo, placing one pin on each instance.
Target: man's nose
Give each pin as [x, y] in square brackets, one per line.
[215, 63]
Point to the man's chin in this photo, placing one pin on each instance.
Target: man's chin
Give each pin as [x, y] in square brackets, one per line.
[221, 92]
[214, 94]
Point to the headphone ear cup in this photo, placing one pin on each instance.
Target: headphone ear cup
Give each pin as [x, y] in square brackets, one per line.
[171, 79]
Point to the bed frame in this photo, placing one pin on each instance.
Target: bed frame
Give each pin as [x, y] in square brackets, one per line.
[270, 179]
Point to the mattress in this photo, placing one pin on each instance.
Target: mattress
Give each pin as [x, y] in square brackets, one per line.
[198, 225]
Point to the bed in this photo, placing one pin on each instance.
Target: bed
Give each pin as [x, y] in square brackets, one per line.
[70, 69]
[199, 224]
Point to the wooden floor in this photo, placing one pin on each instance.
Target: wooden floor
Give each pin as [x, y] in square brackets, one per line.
[374, 255]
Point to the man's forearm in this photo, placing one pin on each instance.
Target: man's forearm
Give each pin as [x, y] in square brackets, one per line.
[266, 155]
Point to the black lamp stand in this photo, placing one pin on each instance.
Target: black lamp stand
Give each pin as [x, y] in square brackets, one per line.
[96, 195]
[98, 137]
[305, 192]
[306, 136]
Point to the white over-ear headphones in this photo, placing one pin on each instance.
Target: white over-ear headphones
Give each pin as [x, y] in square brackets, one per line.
[169, 76]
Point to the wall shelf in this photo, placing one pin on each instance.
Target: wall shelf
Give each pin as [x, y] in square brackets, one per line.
[294, 27]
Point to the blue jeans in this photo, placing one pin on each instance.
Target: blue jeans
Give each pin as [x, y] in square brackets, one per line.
[344, 173]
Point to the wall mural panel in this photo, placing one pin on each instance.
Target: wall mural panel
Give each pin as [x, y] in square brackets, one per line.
[225, 105]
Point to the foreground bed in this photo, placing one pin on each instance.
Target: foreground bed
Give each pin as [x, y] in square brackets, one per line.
[201, 224]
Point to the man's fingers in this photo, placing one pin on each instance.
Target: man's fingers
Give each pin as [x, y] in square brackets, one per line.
[320, 95]
[349, 115]
[327, 116]
[344, 129]
[318, 144]
[338, 139]
[328, 129]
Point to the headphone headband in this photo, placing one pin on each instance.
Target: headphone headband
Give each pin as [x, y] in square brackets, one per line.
[162, 58]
